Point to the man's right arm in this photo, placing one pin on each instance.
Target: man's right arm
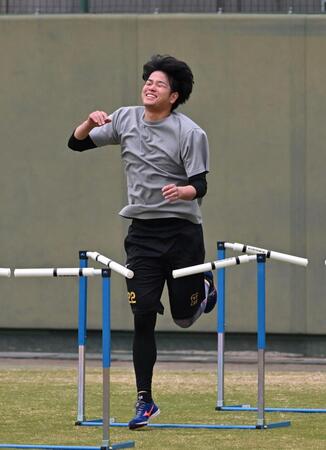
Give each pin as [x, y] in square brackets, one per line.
[80, 139]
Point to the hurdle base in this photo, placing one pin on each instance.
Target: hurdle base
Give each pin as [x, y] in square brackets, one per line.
[269, 409]
[126, 444]
[221, 408]
[271, 425]
[98, 422]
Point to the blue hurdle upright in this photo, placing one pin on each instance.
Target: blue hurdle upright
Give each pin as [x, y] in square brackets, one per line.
[83, 273]
[82, 325]
[221, 278]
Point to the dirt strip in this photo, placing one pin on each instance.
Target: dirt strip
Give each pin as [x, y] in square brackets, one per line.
[241, 365]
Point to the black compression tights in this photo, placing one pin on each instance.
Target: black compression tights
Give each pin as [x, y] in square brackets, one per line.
[144, 350]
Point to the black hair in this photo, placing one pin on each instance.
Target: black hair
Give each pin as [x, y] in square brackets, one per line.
[178, 72]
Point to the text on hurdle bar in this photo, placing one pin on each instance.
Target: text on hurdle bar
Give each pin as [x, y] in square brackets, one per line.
[244, 248]
[199, 268]
[58, 272]
[116, 267]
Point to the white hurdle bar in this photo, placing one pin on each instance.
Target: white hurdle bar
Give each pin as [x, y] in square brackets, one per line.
[199, 268]
[116, 267]
[5, 272]
[58, 272]
[245, 248]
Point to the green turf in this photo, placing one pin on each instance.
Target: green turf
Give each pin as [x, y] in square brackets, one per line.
[38, 406]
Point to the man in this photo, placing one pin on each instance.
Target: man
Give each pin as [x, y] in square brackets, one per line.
[166, 159]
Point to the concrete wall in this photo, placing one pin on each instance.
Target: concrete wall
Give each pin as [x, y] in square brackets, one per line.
[260, 94]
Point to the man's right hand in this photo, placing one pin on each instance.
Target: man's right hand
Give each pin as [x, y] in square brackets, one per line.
[95, 119]
[98, 118]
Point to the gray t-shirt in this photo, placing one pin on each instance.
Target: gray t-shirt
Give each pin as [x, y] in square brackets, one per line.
[155, 154]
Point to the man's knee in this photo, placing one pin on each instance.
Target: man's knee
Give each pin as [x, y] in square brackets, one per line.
[184, 323]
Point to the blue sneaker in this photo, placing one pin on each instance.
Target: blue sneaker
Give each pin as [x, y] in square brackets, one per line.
[212, 293]
[144, 412]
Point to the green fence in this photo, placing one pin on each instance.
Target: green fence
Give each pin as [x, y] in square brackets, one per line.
[162, 6]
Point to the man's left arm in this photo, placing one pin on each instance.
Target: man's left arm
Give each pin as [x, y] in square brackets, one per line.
[196, 188]
[195, 157]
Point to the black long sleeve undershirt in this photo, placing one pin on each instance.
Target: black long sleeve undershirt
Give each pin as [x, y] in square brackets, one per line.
[199, 183]
[80, 145]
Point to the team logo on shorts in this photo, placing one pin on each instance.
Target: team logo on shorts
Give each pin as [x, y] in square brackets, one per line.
[194, 299]
[131, 297]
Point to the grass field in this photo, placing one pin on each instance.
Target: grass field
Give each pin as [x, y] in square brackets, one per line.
[38, 406]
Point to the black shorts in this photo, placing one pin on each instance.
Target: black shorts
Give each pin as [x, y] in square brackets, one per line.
[156, 247]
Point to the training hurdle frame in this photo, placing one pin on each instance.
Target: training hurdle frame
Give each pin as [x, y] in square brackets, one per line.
[221, 283]
[83, 274]
[82, 326]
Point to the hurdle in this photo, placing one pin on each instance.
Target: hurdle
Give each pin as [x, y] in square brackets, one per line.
[82, 320]
[261, 328]
[221, 282]
[84, 273]
[81, 419]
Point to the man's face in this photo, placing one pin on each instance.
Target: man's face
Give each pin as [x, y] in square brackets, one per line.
[156, 93]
